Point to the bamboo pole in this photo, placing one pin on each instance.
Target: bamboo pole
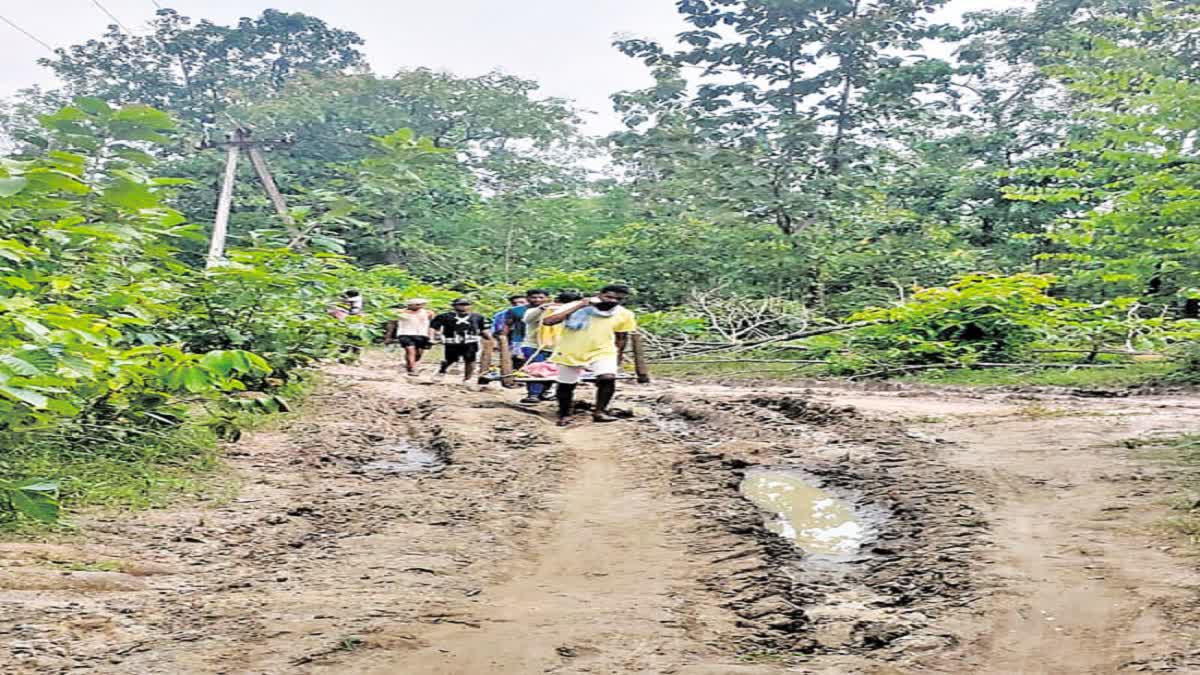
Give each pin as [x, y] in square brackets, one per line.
[640, 366]
[506, 371]
[485, 361]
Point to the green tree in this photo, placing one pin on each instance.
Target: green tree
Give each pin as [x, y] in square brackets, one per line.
[1003, 113]
[792, 100]
[333, 117]
[198, 71]
[1131, 172]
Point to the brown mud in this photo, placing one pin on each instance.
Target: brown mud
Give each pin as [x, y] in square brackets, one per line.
[400, 527]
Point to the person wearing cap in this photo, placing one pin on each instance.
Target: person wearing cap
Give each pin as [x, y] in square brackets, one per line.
[460, 330]
[411, 329]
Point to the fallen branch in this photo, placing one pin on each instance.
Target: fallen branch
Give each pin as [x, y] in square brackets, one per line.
[811, 332]
[973, 366]
[797, 335]
[670, 362]
[1115, 352]
[1048, 365]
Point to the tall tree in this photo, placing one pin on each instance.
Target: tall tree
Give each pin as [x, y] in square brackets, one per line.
[794, 98]
[502, 140]
[197, 71]
[1004, 113]
[1130, 172]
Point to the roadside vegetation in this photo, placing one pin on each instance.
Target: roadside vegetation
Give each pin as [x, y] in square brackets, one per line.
[1181, 455]
[825, 202]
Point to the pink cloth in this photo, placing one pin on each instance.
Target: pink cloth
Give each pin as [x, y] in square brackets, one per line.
[541, 369]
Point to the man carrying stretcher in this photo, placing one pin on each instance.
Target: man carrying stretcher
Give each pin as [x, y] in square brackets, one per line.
[595, 333]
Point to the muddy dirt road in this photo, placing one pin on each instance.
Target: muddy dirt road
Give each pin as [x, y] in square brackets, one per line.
[400, 527]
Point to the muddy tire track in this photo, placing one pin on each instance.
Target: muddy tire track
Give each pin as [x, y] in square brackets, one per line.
[889, 596]
[316, 559]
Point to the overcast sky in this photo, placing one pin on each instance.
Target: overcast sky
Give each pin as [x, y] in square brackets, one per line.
[563, 44]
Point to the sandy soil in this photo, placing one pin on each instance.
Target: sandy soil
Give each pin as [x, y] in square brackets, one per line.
[1008, 533]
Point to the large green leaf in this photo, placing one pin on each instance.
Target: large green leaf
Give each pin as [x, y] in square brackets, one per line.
[36, 501]
[220, 361]
[145, 116]
[196, 379]
[93, 105]
[19, 366]
[32, 326]
[125, 193]
[11, 186]
[28, 396]
[53, 179]
[18, 282]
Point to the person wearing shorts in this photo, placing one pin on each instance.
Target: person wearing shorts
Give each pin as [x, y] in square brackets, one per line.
[595, 333]
[460, 331]
[410, 329]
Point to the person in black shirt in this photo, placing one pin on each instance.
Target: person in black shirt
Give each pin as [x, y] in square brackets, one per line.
[460, 332]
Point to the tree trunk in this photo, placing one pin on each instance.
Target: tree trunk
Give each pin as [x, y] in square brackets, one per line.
[847, 65]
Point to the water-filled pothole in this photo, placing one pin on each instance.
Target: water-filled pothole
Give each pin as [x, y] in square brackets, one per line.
[404, 457]
[814, 520]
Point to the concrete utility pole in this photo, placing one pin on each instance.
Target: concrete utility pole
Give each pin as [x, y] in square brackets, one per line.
[216, 245]
[236, 142]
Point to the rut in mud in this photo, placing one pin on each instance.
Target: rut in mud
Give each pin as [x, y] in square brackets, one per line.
[396, 527]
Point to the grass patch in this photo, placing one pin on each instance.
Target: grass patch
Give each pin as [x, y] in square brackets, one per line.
[764, 656]
[139, 472]
[349, 644]
[1130, 375]
[1037, 411]
[93, 566]
[129, 467]
[756, 366]
[1182, 453]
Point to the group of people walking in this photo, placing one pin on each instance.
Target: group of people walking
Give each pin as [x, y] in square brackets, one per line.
[564, 339]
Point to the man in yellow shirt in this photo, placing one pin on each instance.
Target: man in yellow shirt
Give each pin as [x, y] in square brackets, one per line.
[595, 332]
[540, 341]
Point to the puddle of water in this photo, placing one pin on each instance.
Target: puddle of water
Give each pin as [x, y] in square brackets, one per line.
[408, 459]
[814, 520]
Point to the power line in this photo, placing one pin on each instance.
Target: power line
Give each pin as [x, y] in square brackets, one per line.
[156, 4]
[111, 16]
[27, 34]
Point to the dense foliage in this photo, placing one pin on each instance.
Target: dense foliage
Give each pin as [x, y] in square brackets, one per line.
[106, 333]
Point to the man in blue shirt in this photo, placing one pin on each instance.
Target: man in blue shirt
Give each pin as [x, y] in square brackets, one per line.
[501, 319]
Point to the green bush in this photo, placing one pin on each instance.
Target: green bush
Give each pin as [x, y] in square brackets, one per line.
[1186, 358]
[111, 343]
[977, 318]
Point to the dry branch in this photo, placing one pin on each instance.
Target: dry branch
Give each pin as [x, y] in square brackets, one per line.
[671, 348]
[972, 366]
[1114, 352]
[670, 362]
